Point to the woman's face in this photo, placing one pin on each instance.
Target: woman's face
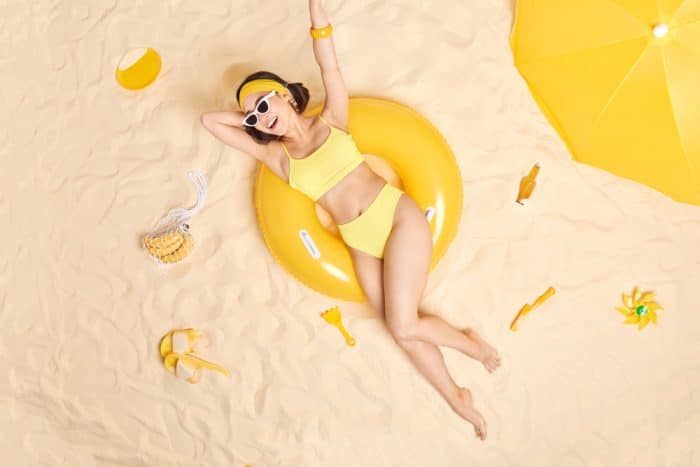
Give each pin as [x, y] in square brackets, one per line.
[275, 120]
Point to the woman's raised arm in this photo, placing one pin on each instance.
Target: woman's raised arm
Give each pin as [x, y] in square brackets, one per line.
[336, 108]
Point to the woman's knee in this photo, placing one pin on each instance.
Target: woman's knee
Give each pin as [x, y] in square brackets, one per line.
[401, 331]
[406, 343]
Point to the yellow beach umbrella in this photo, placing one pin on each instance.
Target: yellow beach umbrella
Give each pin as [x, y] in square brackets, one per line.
[620, 81]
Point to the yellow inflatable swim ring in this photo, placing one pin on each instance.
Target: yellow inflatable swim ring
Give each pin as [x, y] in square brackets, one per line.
[421, 158]
[138, 68]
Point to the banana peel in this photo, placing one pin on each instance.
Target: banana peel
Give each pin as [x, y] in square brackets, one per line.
[177, 349]
[188, 367]
[182, 341]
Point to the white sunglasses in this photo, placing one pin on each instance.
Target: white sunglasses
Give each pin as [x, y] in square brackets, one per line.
[261, 108]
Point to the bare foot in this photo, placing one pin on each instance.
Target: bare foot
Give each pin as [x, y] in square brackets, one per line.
[464, 407]
[486, 354]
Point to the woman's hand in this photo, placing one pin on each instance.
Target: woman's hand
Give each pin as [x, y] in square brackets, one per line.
[336, 107]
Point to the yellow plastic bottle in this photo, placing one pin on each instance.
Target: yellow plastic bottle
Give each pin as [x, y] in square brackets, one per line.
[527, 184]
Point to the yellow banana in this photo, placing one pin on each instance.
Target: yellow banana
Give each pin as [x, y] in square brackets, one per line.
[177, 255]
[164, 244]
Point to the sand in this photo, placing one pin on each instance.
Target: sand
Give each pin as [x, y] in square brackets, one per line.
[88, 167]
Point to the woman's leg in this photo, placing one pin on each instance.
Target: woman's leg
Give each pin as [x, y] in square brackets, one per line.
[409, 264]
[369, 271]
[425, 356]
[436, 330]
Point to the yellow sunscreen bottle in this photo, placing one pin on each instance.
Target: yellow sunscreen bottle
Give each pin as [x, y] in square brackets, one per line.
[527, 184]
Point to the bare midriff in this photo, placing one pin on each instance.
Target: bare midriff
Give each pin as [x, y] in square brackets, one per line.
[352, 195]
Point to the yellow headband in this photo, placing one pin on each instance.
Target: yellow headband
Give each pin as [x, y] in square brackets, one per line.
[260, 85]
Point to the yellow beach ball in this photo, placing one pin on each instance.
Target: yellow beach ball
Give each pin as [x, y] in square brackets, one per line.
[138, 68]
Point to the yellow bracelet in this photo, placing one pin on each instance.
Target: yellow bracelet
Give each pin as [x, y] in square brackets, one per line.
[321, 33]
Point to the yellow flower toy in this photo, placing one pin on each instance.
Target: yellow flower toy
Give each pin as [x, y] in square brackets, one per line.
[639, 308]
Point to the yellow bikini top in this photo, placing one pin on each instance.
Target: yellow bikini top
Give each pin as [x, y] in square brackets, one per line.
[321, 170]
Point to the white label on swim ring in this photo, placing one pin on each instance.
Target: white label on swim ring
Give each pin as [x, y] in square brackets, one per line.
[309, 244]
[429, 213]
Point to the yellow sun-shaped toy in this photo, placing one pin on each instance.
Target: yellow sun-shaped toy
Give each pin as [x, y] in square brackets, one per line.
[639, 308]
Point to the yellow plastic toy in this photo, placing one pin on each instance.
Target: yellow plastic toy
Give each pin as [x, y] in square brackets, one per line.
[177, 348]
[618, 81]
[639, 308]
[528, 308]
[138, 68]
[418, 154]
[527, 184]
[333, 316]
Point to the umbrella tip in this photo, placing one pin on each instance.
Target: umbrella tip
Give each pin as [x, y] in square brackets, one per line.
[660, 30]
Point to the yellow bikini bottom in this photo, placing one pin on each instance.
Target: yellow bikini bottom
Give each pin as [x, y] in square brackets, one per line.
[317, 256]
[370, 231]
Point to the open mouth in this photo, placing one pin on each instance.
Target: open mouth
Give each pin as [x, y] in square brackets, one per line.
[273, 123]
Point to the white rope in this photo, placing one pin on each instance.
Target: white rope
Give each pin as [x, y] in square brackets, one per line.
[178, 217]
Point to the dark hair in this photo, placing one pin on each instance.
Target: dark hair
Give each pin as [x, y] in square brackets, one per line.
[298, 91]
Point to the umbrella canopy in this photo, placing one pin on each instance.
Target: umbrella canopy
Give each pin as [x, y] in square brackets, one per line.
[620, 81]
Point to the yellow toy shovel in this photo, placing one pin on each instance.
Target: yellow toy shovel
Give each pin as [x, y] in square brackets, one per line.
[334, 317]
[528, 308]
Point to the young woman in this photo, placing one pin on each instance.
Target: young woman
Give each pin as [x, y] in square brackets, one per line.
[386, 232]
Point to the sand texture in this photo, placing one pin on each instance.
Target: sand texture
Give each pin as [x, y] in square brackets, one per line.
[88, 167]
